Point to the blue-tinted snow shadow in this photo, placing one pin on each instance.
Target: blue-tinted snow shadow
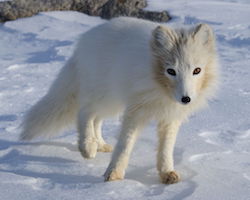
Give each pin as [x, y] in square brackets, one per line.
[145, 176]
[44, 53]
[57, 178]
[5, 144]
[48, 55]
[15, 161]
[8, 118]
[190, 20]
[235, 42]
[16, 158]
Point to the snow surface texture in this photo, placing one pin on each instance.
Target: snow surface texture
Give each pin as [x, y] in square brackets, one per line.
[212, 152]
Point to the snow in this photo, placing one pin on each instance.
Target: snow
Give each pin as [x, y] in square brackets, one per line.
[212, 153]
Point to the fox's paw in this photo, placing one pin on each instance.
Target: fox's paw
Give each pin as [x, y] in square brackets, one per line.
[170, 177]
[113, 175]
[88, 149]
[104, 148]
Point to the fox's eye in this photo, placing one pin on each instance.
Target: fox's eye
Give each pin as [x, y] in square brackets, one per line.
[196, 71]
[171, 72]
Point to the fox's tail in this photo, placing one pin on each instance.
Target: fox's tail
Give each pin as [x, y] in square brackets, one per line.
[56, 110]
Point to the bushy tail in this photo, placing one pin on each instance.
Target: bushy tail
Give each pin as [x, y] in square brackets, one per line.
[56, 110]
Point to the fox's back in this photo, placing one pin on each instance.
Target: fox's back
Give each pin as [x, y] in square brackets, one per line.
[116, 56]
[122, 41]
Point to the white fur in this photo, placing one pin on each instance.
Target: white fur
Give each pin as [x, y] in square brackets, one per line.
[110, 73]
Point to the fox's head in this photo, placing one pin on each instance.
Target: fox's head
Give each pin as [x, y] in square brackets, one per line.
[185, 61]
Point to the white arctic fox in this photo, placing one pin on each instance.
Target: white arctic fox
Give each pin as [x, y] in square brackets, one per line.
[143, 69]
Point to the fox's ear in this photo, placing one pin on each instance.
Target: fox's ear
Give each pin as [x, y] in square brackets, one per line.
[163, 37]
[203, 33]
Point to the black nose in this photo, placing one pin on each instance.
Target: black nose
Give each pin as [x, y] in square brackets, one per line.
[186, 99]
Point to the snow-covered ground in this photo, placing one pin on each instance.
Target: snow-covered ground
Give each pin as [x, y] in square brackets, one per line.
[213, 149]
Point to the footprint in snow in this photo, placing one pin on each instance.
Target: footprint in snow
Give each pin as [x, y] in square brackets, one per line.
[225, 138]
[233, 143]
[208, 156]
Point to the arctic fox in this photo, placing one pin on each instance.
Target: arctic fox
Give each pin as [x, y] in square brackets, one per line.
[142, 69]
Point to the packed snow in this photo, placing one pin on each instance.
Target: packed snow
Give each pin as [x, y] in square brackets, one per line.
[212, 153]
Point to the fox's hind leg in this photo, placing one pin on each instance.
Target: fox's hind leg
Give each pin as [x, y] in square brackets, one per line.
[102, 145]
[87, 143]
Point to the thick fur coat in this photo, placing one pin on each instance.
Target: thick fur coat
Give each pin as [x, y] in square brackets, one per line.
[139, 68]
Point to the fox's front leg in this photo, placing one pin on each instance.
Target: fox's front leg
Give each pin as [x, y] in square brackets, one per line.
[119, 162]
[165, 164]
